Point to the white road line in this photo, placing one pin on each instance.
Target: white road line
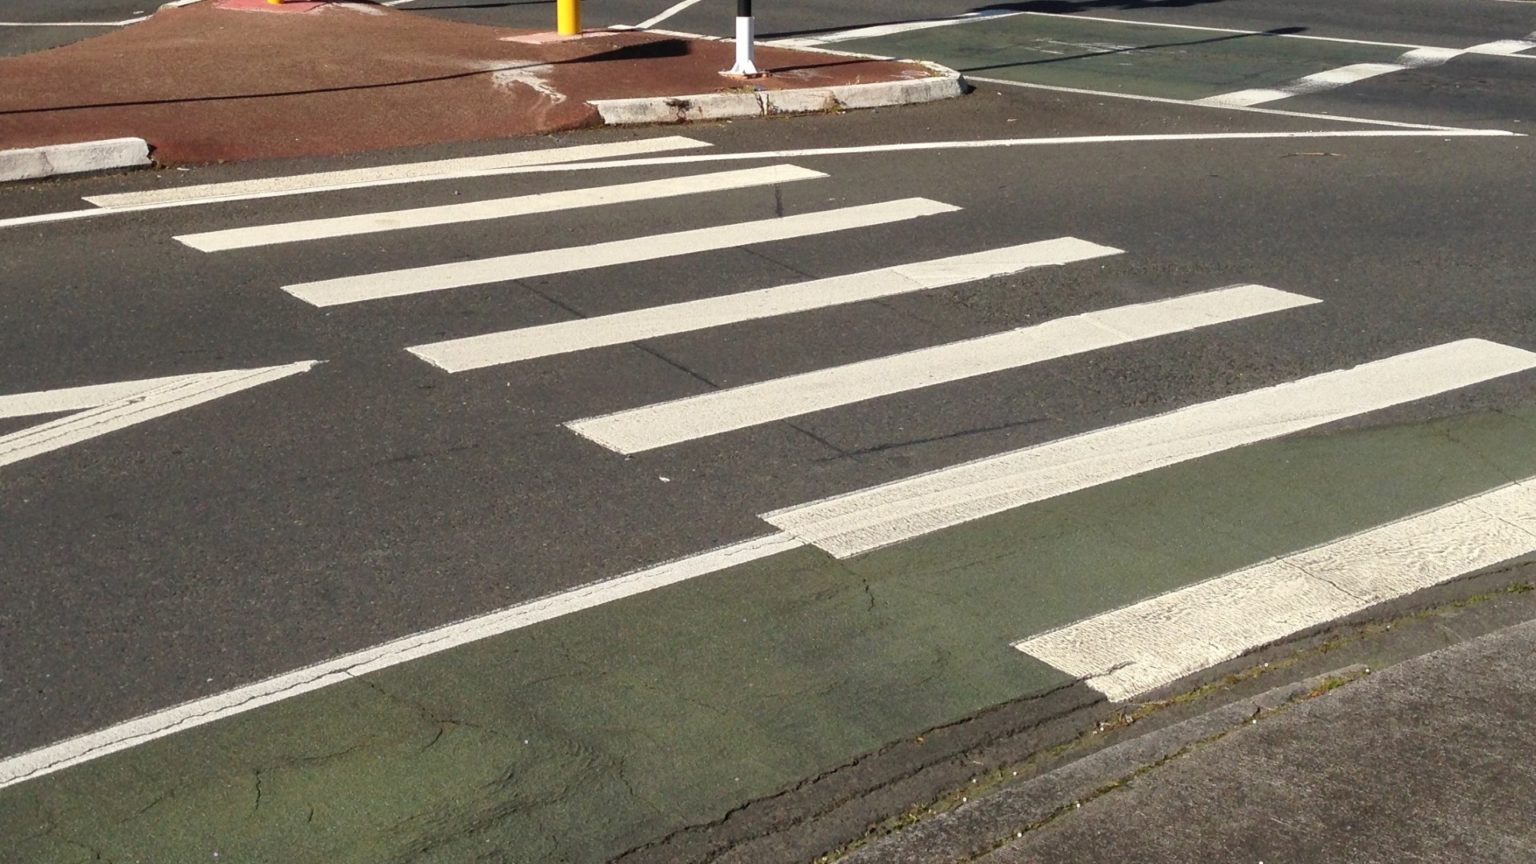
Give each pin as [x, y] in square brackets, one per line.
[499, 208]
[1339, 118]
[1267, 33]
[667, 13]
[79, 398]
[461, 274]
[1504, 47]
[889, 29]
[857, 522]
[189, 715]
[124, 23]
[879, 30]
[659, 425]
[110, 407]
[386, 175]
[1409, 131]
[1133, 650]
[1331, 79]
[511, 346]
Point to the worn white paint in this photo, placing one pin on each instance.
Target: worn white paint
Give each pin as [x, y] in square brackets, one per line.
[511, 346]
[386, 175]
[1331, 79]
[534, 76]
[104, 408]
[653, 426]
[1505, 47]
[190, 715]
[860, 521]
[460, 274]
[1130, 651]
[496, 208]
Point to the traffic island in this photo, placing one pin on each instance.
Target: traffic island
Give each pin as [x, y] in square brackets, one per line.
[245, 79]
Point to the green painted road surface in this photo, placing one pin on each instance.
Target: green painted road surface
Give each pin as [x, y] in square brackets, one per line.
[580, 738]
[1166, 62]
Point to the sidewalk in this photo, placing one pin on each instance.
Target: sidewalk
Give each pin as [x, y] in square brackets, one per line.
[1433, 759]
[244, 79]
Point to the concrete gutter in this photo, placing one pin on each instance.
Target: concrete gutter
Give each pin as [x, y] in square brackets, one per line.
[31, 163]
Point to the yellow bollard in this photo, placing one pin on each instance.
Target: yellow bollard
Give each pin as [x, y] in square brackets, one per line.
[568, 17]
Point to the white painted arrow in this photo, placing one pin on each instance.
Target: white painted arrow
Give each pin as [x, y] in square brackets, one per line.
[103, 408]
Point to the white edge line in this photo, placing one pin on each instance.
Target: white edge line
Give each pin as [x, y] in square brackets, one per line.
[810, 153]
[124, 23]
[188, 715]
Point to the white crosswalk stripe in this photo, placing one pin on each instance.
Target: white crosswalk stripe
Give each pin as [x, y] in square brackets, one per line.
[847, 525]
[654, 426]
[511, 346]
[387, 175]
[1133, 650]
[499, 208]
[442, 277]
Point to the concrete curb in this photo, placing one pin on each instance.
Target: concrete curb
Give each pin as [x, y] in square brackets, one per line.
[978, 827]
[944, 83]
[31, 163]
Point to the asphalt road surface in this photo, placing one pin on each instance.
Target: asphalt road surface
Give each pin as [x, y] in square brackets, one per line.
[227, 454]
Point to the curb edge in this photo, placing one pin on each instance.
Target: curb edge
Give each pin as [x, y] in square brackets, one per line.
[944, 83]
[33, 163]
[971, 831]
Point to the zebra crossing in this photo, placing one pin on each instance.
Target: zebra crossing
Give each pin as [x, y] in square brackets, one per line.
[856, 522]
[1124, 653]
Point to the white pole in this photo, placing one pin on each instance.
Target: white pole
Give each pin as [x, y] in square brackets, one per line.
[746, 35]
